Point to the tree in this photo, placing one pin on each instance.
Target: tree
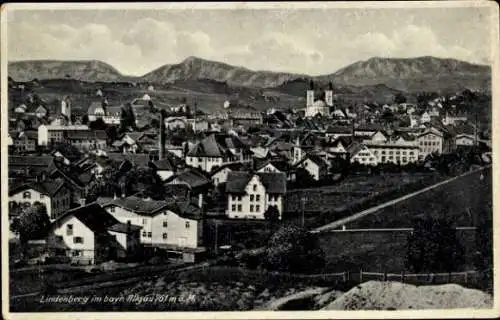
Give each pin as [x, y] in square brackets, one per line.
[67, 150]
[272, 214]
[85, 119]
[112, 134]
[433, 247]
[304, 178]
[127, 119]
[294, 249]
[98, 124]
[399, 98]
[32, 223]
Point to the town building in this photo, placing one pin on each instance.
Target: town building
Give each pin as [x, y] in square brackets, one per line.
[88, 140]
[431, 141]
[90, 235]
[315, 165]
[48, 134]
[393, 152]
[53, 193]
[175, 227]
[249, 195]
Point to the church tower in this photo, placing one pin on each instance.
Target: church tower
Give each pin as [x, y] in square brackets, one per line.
[329, 95]
[310, 95]
[66, 108]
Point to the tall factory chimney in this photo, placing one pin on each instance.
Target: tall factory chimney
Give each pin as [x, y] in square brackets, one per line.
[161, 148]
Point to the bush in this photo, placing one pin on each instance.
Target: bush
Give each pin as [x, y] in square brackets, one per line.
[294, 249]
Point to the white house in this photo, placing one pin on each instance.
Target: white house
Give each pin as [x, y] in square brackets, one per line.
[54, 194]
[430, 141]
[315, 165]
[359, 153]
[425, 117]
[89, 235]
[393, 152]
[209, 153]
[464, 139]
[251, 194]
[176, 227]
[219, 175]
[54, 134]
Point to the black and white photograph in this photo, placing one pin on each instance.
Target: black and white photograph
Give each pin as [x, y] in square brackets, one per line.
[249, 160]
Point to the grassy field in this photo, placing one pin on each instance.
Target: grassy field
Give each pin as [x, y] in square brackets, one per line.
[459, 200]
[378, 251]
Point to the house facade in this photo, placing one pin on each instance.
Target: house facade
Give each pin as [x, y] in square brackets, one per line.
[393, 152]
[250, 195]
[54, 194]
[430, 141]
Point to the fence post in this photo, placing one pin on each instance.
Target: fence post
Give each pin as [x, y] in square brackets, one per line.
[466, 273]
[385, 275]
[403, 276]
[360, 275]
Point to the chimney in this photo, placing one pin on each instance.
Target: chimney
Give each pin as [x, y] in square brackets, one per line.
[161, 149]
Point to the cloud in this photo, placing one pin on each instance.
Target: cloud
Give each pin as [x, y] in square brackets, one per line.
[147, 43]
[409, 41]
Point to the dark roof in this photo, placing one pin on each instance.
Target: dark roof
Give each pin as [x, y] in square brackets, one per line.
[124, 228]
[192, 177]
[48, 187]
[208, 147]
[369, 127]
[39, 161]
[165, 164]
[188, 210]
[339, 129]
[274, 182]
[314, 158]
[138, 159]
[233, 166]
[87, 135]
[93, 216]
[139, 205]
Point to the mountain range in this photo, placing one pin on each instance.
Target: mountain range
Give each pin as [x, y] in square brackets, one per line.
[407, 75]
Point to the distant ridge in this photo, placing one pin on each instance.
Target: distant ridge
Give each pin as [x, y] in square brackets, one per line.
[405, 74]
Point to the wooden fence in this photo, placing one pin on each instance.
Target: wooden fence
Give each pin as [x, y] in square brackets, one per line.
[227, 273]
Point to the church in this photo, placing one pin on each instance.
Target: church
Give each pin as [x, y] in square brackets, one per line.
[320, 105]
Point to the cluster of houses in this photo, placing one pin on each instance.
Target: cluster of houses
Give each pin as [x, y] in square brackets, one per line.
[230, 174]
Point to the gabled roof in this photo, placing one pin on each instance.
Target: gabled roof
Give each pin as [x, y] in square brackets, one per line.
[139, 205]
[339, 129]
[233, 166]
[38, 161]
[192, 177]
[165, 164]
[94, 217]
[208, 147]
[274, 182]
[315, 159]
[48, 187]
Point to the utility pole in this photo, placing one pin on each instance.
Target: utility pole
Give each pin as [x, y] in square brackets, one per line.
[216, 236]
[302, 200]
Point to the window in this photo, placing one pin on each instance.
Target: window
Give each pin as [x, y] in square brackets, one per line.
[69, 230]
[251, 208]
[257, 208]
[199, 159]
[76, 253]
[254, 187]
[165, 224]
[42, 196]
[112, 209]
[239, 198]
[149, 234]
[187, 225]
[251, 197]
[239, 208]
[129, 222]
[257, 197]
[165, 236]
[77, 240]
[27, 195]
[234, 198]
[144, 221]
[233, 207]
[144, 234]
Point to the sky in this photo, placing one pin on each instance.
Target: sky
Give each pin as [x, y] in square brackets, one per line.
[309, 41]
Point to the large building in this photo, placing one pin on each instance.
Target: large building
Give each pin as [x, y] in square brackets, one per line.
[318, 106]
[50, 134]
[396, 152]
[251, 194]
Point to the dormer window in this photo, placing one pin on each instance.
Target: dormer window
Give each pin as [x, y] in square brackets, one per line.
[26, 195]
[254, 187]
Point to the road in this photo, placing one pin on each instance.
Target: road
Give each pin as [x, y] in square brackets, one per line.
[359, 215]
